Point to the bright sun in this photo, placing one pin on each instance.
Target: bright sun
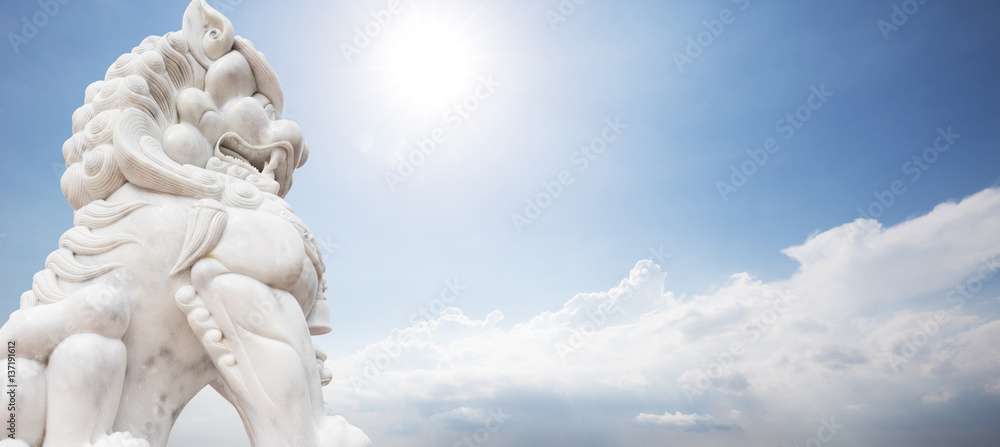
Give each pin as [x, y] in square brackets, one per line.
[425, 62]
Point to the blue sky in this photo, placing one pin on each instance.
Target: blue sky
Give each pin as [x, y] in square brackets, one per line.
[714, 263]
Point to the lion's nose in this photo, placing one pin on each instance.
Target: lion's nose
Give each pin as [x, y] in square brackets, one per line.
[285, 130]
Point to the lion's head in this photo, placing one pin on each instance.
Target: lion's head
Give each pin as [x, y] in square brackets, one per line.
[180, 111]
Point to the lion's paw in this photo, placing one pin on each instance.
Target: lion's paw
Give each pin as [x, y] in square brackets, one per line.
[121, 439]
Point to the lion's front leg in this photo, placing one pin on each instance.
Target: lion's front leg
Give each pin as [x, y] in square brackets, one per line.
[86, 373]
[263, 352]
[70, 366]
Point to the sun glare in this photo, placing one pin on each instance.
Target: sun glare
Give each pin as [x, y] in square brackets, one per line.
[426, 63]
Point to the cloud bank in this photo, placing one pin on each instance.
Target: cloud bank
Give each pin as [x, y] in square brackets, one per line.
[881, 336]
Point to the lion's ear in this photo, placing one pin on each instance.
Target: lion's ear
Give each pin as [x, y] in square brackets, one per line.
[209, 34]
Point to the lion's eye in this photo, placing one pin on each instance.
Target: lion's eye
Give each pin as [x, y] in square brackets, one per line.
[269, 111]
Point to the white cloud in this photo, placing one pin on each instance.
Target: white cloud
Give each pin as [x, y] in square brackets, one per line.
[463, 418]
[805, 346]
[675, 420]
[992, 387]
[938, 397]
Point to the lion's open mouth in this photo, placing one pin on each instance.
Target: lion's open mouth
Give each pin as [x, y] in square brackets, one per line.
[268, 160]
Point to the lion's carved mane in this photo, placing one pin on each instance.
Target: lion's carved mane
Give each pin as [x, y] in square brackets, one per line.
[118, 132]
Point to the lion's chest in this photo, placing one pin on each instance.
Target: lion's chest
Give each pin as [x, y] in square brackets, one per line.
[265, 247]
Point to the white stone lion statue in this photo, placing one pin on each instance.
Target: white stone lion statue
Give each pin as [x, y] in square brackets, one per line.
[185, 267]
